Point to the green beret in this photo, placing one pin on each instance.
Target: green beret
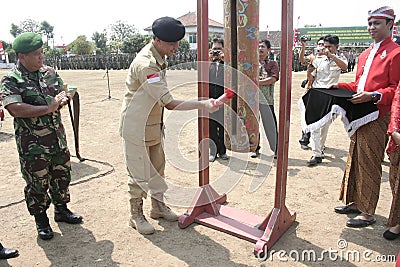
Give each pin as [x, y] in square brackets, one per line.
[168, 29]
[27, 42]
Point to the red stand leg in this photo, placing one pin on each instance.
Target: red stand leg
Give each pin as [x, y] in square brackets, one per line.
[205, 200]
[275, 225]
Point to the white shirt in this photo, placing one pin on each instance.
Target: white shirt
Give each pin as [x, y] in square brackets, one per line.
[326, 71]
[368, 63]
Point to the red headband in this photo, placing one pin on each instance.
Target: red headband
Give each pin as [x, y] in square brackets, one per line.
[382, 13]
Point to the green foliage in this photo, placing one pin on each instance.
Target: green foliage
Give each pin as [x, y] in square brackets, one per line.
[47, 30]
[12, 56]
[28, 25]
[100, 42]
[81, 46]
[15, 30]
[184, 46]
[121, 30]
[135, 43]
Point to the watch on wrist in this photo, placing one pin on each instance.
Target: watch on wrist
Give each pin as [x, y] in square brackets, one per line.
[376, 97]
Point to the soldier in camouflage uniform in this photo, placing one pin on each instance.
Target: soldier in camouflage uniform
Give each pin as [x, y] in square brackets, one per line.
[33, 95]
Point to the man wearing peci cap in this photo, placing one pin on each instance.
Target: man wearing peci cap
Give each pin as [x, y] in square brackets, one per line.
[141, 125]
[376, 80]
[33, 94]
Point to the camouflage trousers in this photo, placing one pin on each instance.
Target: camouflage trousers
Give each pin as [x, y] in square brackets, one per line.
[44, 174]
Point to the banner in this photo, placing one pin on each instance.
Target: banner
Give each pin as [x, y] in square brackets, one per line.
[347, 35]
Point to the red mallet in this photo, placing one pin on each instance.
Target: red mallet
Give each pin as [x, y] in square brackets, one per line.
[229, 93]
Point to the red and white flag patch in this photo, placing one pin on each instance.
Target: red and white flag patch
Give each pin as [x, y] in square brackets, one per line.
[153, 78]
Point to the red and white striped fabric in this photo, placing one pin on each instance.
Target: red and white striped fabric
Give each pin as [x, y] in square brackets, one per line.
[2, 53]
[384, 12]
[153, 78]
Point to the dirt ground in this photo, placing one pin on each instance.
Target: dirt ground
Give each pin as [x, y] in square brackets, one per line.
[99, 194]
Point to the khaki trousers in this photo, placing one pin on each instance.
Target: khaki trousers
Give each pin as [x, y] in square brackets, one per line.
[146, 165]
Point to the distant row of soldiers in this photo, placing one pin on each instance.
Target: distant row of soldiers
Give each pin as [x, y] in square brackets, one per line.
[178, 61]
[117, 62]
[181, 61]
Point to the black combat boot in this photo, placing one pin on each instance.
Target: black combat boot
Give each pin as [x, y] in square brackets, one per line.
[63, 214]
[43, 227]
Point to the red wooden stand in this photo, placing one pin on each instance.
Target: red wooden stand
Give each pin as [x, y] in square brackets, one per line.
[206, 207]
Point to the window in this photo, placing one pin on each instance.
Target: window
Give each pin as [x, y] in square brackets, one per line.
[193, 38]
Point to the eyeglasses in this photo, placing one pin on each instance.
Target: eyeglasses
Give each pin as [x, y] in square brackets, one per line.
[320, 43]
[37, 53]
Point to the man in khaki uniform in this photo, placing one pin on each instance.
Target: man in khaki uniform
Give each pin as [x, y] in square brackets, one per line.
[141, 126]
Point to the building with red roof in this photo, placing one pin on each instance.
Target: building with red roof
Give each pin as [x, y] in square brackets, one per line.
[189, 20]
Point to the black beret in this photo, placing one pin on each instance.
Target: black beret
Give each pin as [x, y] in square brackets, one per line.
[168, 29]
[27, 42]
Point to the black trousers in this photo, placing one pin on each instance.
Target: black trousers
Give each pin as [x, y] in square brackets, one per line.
[217, 131]
[305, 138]
[269, 122]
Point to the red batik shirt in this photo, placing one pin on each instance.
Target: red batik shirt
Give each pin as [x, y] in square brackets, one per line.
[394, 124]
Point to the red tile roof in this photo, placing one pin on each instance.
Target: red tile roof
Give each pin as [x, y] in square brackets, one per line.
[190, 19]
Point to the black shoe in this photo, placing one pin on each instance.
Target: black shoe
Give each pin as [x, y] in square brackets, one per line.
[305, 147]
[346, 210]
[43, 227]
[7, 253]
[305, 140]
[388, 235]
[359, 223]
[211, 158]
[224, 156]
[63, 214]
[314, 161]
[255, 154]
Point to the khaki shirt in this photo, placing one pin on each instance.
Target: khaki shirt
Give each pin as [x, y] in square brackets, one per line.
[146, 96]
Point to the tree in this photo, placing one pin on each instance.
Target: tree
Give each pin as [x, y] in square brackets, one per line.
[135, 43]
[100, 41]
[184, 46]
[120, 31]
[47, 30]
[15, 30]
[81, 46]
[30, 25]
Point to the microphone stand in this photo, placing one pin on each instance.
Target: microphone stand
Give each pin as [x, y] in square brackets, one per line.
[108, 83]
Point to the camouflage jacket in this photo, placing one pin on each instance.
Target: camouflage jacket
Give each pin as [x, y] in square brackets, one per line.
[36, 135]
